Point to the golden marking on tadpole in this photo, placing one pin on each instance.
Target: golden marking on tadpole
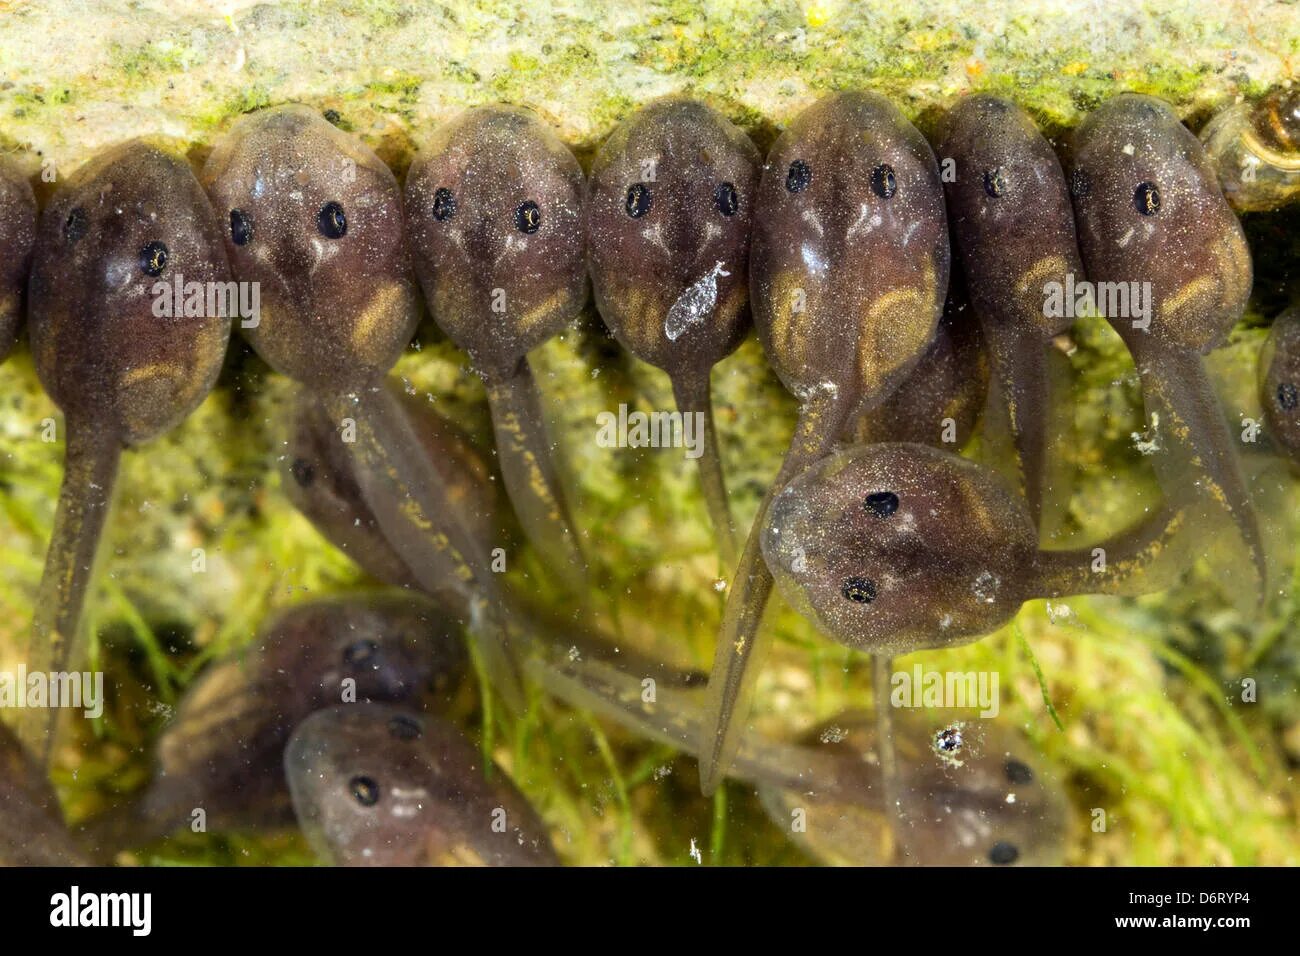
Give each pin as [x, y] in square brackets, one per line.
[1202, 287]
[904, 306]
[372, 321]
[1045, 270]
[543, 312]
[786, 321]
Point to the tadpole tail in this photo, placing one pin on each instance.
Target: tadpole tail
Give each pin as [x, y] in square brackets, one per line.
[821, 420]
[676, 717]
[694, 397]
[1196, 460]
[410, 502]
[1143, 558]
[1019, 359]
[891, 785]
[528, 468]
[89, 478]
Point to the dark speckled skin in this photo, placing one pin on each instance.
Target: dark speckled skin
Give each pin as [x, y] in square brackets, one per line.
[31, 823]
[223, 749]
[672, 280]
[120, 373]
[1191, 249]
[319, 479]
[101, 353]
[892, 548]
[1014, 228]
[1280, 383]
[493, 160]
[848, 275]
[951, 815]
[496, 223]
[949, 385]
[316, 218]
[17, 236]
[872, 271]
[642, 266]
[382, 786]
[334, 311]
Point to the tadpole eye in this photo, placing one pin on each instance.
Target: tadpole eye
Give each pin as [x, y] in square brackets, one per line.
[882, 504]
[241, 227]
[883, 182]
[444, 204]
[798, 177]
[995, 182]
[1080, 184]
[1017, 772]
[403, 727]
[1288, 396]
[153, 258]
[360, 652]
[332, 221]
[638, 200]
[725, 198]
[75, 226]
[303, 472]
[859, 590]
[364, 790]
[1003, 853]
[528, 217]
[1146, 199]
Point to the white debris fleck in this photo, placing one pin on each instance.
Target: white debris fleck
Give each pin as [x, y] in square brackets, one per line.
[695, 852]
[694, 305]
[986, 586]
[833, 735]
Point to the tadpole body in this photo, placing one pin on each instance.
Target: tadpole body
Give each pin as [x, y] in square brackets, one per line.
[495, 208]
[940, 402]
[1279, 383]
[32, 832]
[1013, 226]
[848, 274]
[315, 218]
[222, 752]
[892, 548]
[669, 216]
[17, 237]
[119, 352]
[377, 785]
[1153, 221]
[991, 805]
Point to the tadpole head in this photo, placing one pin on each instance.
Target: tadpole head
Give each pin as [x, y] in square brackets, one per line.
[850, 254]
[670, 211]
[892, 548]
[112, 342]
[1279, 382]
[314, 218]
[1149, 209]
[17, 236]
[376, 785]
[496, 219]
[1012, 219]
